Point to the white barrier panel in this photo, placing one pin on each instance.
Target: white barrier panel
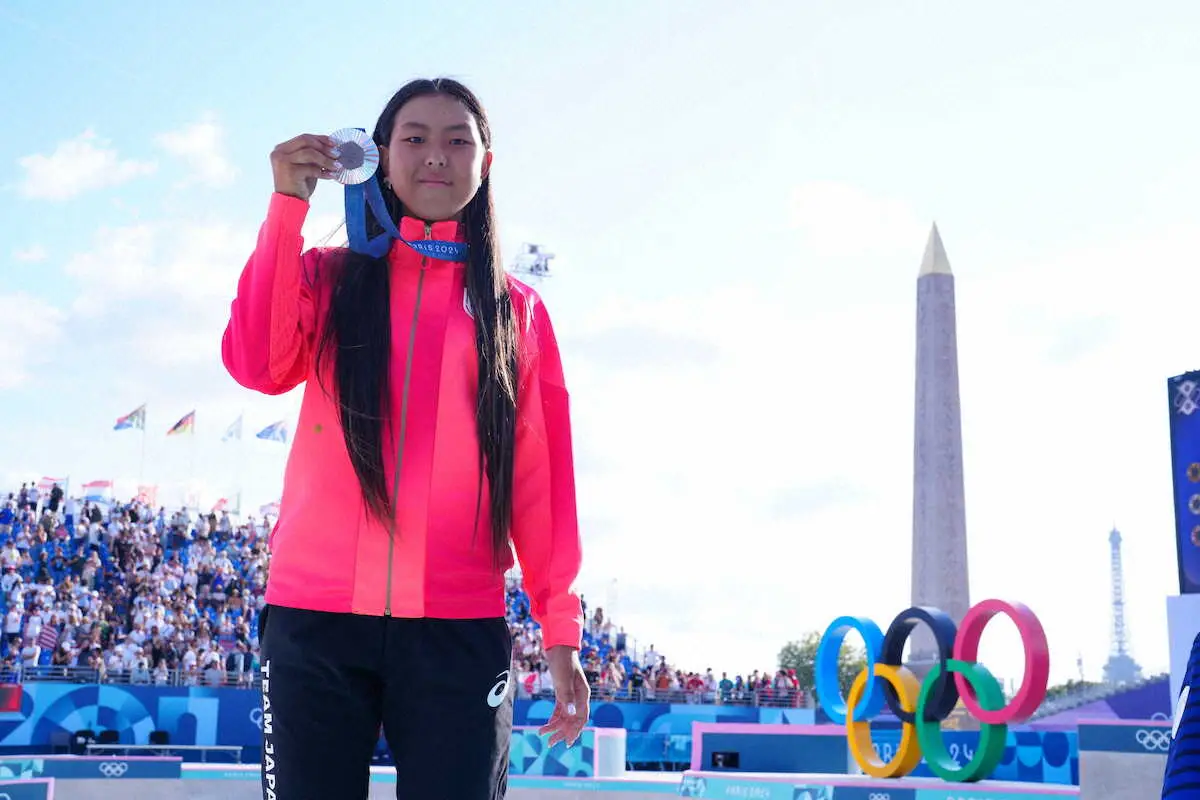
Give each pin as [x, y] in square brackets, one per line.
[1183, 623]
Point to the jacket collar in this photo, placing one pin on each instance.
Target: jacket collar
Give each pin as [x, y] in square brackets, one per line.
[412, 228]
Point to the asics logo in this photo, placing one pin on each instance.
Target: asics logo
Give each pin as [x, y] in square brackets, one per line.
[500, 690]
[1154, 740]
[113, 769]
[1180, 707]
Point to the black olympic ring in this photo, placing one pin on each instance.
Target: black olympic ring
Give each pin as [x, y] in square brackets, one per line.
[945, 697]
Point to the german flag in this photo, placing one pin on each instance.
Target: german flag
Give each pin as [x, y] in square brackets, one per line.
[185, 425]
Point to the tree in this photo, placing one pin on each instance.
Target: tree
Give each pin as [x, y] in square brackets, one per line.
[1071, 687]
[801, 656]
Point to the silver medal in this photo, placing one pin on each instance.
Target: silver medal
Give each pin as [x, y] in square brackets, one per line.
[357, 154]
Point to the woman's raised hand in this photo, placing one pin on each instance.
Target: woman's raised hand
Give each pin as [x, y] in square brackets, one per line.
[300, 162]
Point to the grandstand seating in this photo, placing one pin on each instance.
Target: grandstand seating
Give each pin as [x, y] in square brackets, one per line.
[118, 592]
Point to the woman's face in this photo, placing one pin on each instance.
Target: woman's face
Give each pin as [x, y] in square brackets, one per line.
[436, 161]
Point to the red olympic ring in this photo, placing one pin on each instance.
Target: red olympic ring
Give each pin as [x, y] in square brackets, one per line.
[1036, 676]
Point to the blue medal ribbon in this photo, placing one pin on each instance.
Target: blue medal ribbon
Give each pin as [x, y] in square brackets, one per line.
[358, 197]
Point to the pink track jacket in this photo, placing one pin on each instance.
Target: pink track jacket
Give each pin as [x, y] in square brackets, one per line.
[327, 553]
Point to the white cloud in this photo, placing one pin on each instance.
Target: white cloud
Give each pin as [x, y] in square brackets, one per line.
[164, 342]
[180, 276]
[32, 328]
[76, 166]
[201, 146]
[31, 255]
[205, 260]
[196, 263]
[119, 260]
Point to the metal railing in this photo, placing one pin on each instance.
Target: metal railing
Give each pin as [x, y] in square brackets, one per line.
[215, 677]
[131, 677]
[219, 677]
[760, 698]
[1089, 694]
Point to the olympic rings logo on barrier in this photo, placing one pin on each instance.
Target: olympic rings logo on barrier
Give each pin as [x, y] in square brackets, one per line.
[923, 706]
[1153, 740]
[113, 769]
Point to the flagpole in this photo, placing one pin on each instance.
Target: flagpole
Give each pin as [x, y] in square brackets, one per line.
[142, 463]
[192, 467]
[241, 458]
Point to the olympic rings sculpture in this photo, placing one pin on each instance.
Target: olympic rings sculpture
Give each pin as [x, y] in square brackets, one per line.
[923, 706]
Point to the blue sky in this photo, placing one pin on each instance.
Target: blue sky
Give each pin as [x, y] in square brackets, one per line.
[738, 197]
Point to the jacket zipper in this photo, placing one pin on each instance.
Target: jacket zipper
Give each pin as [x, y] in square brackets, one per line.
[412, 339]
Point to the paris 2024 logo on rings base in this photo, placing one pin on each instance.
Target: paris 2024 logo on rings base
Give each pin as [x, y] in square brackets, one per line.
[923, 706]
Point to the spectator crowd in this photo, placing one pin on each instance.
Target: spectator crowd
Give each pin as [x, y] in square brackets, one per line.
[108, 592]
[615, 672]
[102, 591]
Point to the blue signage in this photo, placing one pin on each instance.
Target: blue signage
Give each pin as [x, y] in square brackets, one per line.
[1183, 393]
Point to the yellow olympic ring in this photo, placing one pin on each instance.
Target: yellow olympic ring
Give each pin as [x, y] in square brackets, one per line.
[908, 754]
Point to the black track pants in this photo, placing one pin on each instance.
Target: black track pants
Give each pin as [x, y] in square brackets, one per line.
[440, 688]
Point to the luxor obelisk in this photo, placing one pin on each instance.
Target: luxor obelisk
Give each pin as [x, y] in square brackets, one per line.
[939, 542]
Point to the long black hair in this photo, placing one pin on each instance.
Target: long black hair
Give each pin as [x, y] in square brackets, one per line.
[356, 340]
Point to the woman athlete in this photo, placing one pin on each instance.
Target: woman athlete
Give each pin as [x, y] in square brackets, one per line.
[435, 435]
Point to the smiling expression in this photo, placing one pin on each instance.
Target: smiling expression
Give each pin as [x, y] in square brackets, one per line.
[436, 160]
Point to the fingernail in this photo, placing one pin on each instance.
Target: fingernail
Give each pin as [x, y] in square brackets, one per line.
[571, 709]
[335, 152]
[337, 165]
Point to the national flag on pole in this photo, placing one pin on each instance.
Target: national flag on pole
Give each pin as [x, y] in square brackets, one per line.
[275, 432]
[148, 495]
[134, 419]
[46, 484]
[95, 490]
[234, 431]
[185, 425]
[221, 505]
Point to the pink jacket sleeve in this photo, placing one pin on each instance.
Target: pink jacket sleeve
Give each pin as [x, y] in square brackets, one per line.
[269, 339]
[545, 526]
